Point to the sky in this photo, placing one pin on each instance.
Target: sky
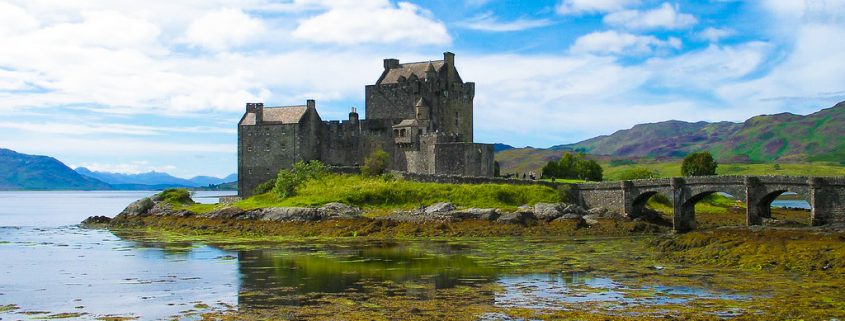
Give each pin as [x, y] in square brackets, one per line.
[136, 86]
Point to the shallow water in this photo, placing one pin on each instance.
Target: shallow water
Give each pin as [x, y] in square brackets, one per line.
[48, 264]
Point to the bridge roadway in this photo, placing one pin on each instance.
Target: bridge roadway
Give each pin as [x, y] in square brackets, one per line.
[826, 195]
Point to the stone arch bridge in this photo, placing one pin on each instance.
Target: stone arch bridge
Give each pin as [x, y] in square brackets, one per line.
[826, 195]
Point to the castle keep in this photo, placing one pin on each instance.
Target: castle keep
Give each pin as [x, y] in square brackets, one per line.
[419, 113]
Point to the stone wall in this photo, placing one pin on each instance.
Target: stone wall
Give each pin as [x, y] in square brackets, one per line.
[263, 150]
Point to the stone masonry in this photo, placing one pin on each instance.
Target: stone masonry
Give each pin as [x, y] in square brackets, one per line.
[420, 113]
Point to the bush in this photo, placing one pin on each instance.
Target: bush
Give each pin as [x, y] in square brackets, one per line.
[288, 180]
[574, 166]
[637, 173]
[699, 164]
[176, 196]
[376, 163]
[265, 187]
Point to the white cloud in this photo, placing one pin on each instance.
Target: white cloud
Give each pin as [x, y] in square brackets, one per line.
[224, 29]
[666, 16]
[373, 21]
[712, 34]
[489, 22]
[574, 7]
[14, 19]
[621, 43]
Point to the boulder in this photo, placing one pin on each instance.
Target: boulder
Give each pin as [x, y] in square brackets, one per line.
[339, 211]
[569, 217]
[591, 219]
[574, 209]
[517, 218]
[439, 208]
[487, 214]
[161, 209]
[227, 212]
[95, 221]
[138, 208]
[547, 211]
[289, 214]
[600, 211]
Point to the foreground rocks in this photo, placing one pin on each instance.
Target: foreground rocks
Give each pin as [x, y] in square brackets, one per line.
[438, 212]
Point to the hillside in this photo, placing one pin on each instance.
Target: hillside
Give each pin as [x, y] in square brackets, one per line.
[32, 172]
[783, 137]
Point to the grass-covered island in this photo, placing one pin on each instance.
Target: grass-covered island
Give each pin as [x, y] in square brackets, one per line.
[512, 229]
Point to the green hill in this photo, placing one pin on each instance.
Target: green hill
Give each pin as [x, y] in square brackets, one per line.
[31, 172]
[784, 137]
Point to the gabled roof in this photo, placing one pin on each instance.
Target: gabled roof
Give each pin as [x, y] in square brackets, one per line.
[278, 115]
[284, 115]
[413, 68]
[407, 123]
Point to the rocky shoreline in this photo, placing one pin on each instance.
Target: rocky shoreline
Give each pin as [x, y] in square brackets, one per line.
[156, 206]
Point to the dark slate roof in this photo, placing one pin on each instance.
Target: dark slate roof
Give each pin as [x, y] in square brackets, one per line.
[412, 68]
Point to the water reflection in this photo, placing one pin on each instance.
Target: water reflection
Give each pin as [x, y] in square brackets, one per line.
[272, 277]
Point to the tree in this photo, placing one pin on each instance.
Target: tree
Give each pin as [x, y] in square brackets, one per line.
[376, 163]
[699, 164]
[573, 166]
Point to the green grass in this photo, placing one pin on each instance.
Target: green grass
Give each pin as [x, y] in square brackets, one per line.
[671, 169]
[377, 193]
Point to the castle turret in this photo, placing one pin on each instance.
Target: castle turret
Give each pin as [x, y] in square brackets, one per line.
[257, 109]
[391, 63]
[353, 116]
[449, 59]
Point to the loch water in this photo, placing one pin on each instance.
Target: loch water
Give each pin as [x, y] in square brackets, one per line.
[49, 265]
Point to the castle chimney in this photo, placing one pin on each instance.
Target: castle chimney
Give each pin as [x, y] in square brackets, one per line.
[391, 63]
[311, 104]
[449, 59]
[353, 116]
[257, 109]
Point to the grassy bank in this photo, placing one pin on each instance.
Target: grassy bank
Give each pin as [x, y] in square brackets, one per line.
[671, 169]
[377, 194]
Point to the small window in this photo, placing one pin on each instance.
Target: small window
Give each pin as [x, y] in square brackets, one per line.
[249, 148]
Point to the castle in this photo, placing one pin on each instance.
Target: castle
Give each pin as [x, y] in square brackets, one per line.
[419, 113]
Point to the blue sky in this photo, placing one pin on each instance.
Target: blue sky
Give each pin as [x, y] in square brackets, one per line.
[133, 86]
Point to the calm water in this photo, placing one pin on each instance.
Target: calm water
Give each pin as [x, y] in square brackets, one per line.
[49, 264]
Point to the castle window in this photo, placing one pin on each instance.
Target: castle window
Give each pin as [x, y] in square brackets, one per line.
[402, 133]
[249, 148]
[267, 148]
[456, 118]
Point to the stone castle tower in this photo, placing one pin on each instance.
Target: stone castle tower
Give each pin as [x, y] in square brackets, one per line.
[421, 113]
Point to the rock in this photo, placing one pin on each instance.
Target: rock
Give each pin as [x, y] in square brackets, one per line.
[96, 221]
[547, 211]
[600, 211]
[227, 212]
[517, 218]
[591, 219]
[569, 217]
[487, 214]
[289, 214]
[339, 211]
[525, 209]
[161, 209]
[138, 208]
[439, 208]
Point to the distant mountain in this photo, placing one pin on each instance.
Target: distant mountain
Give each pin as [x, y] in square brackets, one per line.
[32, 172]
[153, 179]
[501, 147]
[784, 137]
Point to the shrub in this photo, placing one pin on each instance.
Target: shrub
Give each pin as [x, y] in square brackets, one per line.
[265, 187]
[176, 196]
[288, 180]
[376, 163]
[637, 173]
[699, 164]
